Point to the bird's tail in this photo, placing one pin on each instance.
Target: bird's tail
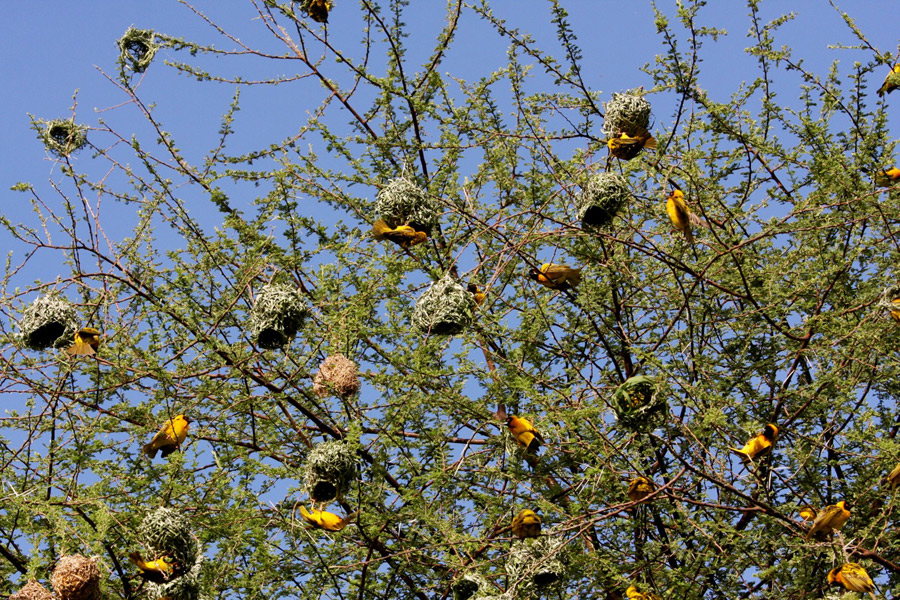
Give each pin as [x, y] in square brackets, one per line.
[136, 559]
[348, 519]
[883, 179]
[81, 349]
[574, 277]
[744, 456]
[149, 450]
[379, 229]
[650, 143]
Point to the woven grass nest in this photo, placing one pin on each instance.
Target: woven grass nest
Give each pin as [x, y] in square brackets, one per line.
[537, 565]
[469, 585]
[62, 136]
[445, 308]
[401, 202]
[626, 113]
[137, 49]
[330, 469]
[638, 403]
[33, 591]
[76, 578]
[277, 315]
[337, 374]
[603, 197]
[50, 321]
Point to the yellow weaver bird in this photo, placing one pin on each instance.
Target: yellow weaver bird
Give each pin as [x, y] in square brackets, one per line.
[157, 571]
[681, 216]
[326, 520]
[556, 277]
[895, 309]
[889, 86]
[169, 437]
[893, 477]
[524, 432]
[807, 513]
[831, 518]
[633, 594]
[318, 10]
[887, 177]
[526, 524]
[626, 147]
[758, 446]
[476, 293]
[852, 577]
[87, 340]
[404, 235]
[640, 488]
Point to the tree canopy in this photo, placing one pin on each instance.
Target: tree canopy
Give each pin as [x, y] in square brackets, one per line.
[428, 382]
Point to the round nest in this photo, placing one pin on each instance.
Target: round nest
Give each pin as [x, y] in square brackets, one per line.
[468, 585]
[62, 136]
[330, 469]
[535, 564]
[137, 48]
[277, 315]
[638, 404]
[401, 202]
[626, 113]
[167, 531]
[76, 578]
[49, 321]
[186, 587]
[890, 301]
[445, 308]
[602, 198]
[33, 591]
[337, 374]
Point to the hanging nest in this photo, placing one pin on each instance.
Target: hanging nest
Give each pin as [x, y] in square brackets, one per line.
[537, 565]
[49, 321]
[638, 403]
[277, 315]
[62, 136]
[330, 469]
[890, 301]
[401, 202]
[186, 587]
[626, 113]
[137, 48]
[603, 196]
[337, 374]
[445, 308]
[167, 531]
[76, 578]
[33, 591]
[468, 585]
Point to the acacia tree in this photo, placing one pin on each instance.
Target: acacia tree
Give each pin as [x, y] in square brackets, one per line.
[776, 314]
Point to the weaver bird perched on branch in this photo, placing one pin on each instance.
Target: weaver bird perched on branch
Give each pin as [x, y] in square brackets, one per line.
[626, 147]
[87, 340]
[556, 277]
[157, 571]
[326, 520]
[758, 446]
[524, 432]
[318, 10]
[526, 524]
[887, 177]
[403, 235]
[169, 437]
[476, 293]
[891, 82]
[893, 477]
[640, 488]
[831, 518]
[852, 577]
[681, 215]
[633, 594]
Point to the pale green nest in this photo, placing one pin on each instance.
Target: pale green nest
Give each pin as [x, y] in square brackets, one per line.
[33, 591]
[186, 587]
[330, 469]
[468, 585]
[62, 136]
[638, 403]
[602, 199]
[49, 321]
[76, 577]
[445, 308]
[277, 315]
[402, 202]
[168, 531]
[137, 48]
[537, 565]
[337, 374]
[626, 113]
